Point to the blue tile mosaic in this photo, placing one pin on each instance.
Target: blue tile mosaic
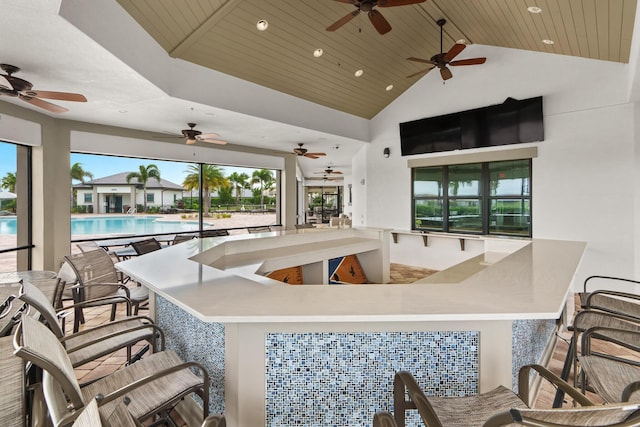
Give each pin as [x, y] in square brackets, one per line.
[342, 379]
[195, 341]
[530, 338]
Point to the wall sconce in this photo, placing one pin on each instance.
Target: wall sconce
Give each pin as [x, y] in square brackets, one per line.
[386, 152]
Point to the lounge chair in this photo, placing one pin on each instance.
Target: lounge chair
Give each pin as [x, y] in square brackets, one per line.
[214, 233]
[262, 229]
[98, 281]
[602, 308]
[12, 381]
[145, 246]
[615, 379]
[179, 238]
[470, 411]
[120, 417]
[155, 384]
[603, 416]
[90, 344]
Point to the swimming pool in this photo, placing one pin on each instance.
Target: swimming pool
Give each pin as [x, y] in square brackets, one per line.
[115, 225]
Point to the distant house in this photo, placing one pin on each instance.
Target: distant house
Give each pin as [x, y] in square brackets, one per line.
[112, 194]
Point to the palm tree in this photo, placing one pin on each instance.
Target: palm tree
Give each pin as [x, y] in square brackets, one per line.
[225, 193]
[143, 176]
[78, 173]
[265, 181]
[9, 182]
[240, 181]
[212, 179]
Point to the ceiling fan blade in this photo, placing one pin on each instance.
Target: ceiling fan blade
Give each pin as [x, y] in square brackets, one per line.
[423, 72]
[208, 136]
[347, 1]
[340, 22]
[317, 154]
[62, 96]
[445, 73]
[454, 51]
[379, 22]
[424, 61]
[470, 61]
[43, 104]
[212, 141]
[312, 155]
[5, 83]
[390, 3]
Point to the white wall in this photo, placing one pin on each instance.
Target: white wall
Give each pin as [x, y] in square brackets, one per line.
[584, 185]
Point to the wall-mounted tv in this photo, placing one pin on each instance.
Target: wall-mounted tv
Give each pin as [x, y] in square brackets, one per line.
[512, 122]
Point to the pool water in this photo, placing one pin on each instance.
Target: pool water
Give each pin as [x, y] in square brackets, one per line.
[114, 225]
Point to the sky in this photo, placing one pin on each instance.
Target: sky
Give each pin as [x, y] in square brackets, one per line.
[101, 166]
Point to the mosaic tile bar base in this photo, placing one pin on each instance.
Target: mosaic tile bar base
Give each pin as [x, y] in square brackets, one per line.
[529, 342]
[342, 379]
[195, 341]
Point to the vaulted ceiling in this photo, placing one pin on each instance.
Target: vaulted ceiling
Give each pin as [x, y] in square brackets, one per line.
[118, 54]
[222, 35]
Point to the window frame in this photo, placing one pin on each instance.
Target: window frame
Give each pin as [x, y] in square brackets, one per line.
[196, 194]
[24, 218]
[485, 199]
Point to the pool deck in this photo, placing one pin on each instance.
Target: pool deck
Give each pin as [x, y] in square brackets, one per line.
[8, 259]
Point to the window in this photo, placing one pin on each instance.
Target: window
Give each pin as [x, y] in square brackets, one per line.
[15, 209]
[479, 198]
[231, 197]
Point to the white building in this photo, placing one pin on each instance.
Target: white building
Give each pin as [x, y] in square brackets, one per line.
[112, 194]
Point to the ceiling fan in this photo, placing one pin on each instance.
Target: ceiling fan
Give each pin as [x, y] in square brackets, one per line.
[192, 136]
[441, 60]
[379, 22]
[327, 178]
[303, 152]
[329, 171]
[22, 89]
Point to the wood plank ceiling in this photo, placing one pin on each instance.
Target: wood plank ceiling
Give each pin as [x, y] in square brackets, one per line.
[222, 35]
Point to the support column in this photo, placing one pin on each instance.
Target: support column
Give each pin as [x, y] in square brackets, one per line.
[288, 182]
[50, 198]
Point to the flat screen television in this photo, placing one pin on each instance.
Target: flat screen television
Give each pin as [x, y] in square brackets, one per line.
[512, 122]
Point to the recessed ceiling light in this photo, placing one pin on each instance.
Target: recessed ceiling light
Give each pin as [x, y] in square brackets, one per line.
[359, 73]
[318, 52]
[262, 25]
[388, 88]
[461, 41]
[534, 9]
[122, 111]
[547, 41]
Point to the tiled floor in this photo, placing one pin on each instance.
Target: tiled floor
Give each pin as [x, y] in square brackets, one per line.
[399, 274]
[106, 364]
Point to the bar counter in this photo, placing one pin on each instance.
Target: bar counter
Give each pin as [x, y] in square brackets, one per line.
[320, 354]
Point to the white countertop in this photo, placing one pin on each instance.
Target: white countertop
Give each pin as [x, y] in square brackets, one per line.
[531, 283]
